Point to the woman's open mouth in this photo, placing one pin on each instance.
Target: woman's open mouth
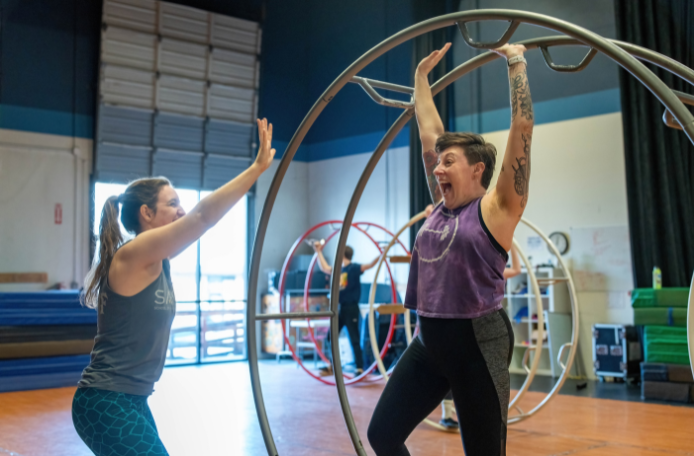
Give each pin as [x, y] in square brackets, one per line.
[446, 188]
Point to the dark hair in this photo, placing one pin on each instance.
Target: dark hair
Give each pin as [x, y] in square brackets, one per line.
[349, 253]
[139, 192]
[475, 148]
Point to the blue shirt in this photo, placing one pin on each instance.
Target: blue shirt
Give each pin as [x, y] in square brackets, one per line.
[350, 285]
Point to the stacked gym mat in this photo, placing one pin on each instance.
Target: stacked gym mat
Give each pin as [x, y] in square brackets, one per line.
[45, 339]
[667, 382]
[662, 314]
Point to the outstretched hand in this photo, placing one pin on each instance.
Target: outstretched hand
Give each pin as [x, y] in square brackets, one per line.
[510, 50]
[265, 151]
[429, 209]
[428, 63]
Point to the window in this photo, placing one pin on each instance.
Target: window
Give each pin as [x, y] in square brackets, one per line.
[209, 280]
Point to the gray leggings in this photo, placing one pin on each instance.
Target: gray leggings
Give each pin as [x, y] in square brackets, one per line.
[469, 357]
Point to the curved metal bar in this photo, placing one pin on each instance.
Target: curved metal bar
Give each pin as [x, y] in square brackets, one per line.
[462, 26]
[641, 53]
[690, 325]
[375, 96]
[668, 119]
[574, 326]
[538, 302]
[567, 68]
[372, 295]
[385, 85]
[540, 324]
[561, 352]
[612, 50]
[307, 282]
[337, 268]
[372, 298]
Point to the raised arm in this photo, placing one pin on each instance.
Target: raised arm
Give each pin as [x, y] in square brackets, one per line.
[154, 245]
[366, 267]
[428, 119]
[322, 262]
[510, 196]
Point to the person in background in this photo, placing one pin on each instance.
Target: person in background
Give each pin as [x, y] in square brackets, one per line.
[350, 294]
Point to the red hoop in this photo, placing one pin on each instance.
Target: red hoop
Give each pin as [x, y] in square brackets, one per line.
[391, 330]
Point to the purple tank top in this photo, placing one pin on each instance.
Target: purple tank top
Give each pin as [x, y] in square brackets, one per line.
[457, 267]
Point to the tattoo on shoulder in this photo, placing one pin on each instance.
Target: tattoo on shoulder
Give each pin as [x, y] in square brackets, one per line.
[521, 176]
[520, 96]
[430, 161]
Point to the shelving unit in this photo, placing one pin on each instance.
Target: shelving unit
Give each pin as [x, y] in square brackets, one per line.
[520, 306]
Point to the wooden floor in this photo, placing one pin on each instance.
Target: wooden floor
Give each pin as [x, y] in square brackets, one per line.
[209, 411]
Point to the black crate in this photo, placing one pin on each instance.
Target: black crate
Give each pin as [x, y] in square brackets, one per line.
[616, 351]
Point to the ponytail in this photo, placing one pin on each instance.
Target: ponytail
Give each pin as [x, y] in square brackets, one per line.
[140, 192]
[110, 238]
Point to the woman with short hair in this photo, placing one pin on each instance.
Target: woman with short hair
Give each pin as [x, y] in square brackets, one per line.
[456, 281]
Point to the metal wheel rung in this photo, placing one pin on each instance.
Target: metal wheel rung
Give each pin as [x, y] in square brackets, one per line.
[294, 315]
[552, 280]
[668, 118]
[369, 84]
[390, 309]
[400, 259]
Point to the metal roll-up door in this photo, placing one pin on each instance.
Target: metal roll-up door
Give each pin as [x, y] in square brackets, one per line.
[233, 68]
[180, 95]
[183, 169]
[132, 14]
[183, 22]
[220, 169]
[127, 86]
[124, 47]
[178, 132]
[180, 58]
[231, 103]
[119, 163]
[127, 126]
[228, 138]
[176, 84]
[236, 34]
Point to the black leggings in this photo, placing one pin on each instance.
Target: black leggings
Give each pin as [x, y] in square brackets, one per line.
[469, 357]
[348, 315]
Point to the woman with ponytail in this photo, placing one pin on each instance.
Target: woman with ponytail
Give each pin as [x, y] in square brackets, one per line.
[130, 287]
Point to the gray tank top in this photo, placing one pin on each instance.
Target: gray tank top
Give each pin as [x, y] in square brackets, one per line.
[132, 338]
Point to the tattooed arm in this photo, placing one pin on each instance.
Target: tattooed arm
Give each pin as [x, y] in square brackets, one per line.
[428, 119]
[507, 201]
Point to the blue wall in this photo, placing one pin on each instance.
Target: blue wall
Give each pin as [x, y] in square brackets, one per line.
[48, 56]
[306, 45]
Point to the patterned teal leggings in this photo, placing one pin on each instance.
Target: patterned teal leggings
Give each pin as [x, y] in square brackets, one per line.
[115, 424]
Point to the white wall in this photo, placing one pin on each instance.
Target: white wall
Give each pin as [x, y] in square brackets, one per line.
[577, 180]
[289, 217]
[385, 201]
[38, 171]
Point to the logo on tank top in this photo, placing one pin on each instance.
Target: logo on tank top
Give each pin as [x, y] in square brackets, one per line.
[434, 245]
[164, 299]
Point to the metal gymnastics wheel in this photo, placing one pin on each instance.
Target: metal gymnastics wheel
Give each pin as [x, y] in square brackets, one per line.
[307, 287]
[536, 349]
[624, 54]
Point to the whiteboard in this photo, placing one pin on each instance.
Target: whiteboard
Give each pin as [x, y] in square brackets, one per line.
[601, 258]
